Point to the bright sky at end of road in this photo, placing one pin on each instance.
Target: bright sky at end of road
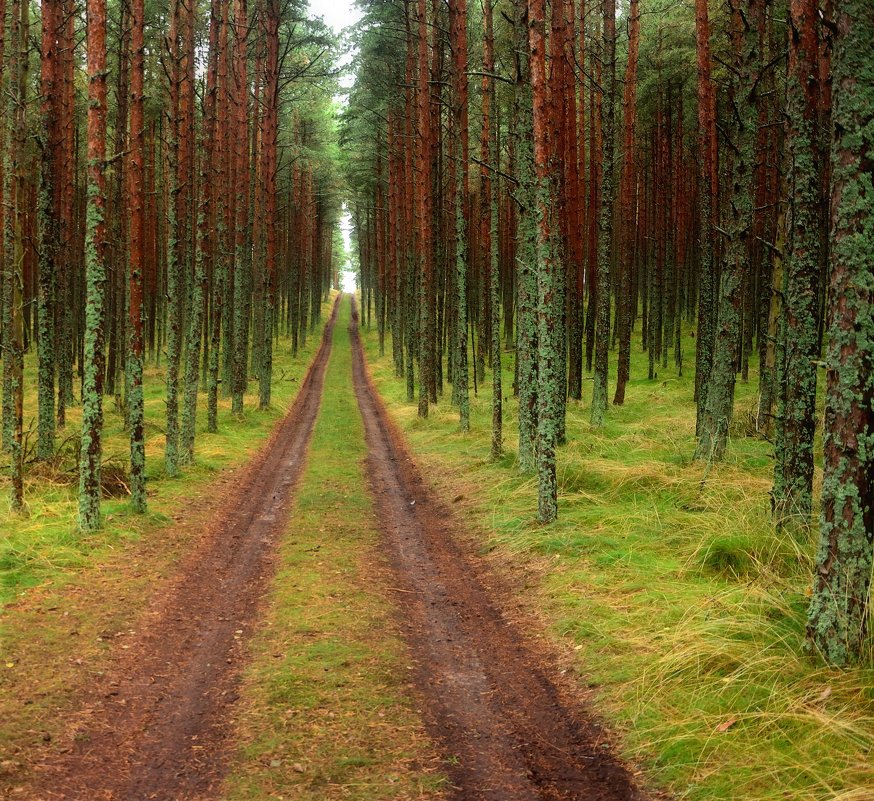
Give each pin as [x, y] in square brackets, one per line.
[338, 14]
[347, 276]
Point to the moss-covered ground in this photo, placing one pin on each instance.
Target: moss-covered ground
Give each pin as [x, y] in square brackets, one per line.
[683, 606]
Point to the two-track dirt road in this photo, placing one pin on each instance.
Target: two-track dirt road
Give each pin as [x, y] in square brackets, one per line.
[488, 699]
[157, 727]
[160, 726]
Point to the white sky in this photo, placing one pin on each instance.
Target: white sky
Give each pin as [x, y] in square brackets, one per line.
[347, 277]
[340, 14]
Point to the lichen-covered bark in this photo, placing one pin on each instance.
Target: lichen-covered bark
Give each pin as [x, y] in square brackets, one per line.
[626, 304]
[707, 188]
[221, 175]
[66, 264]
[796, 403]
[7, 67]
[458, 35]
[549, 362]
[13, 357]
[411, 293]
[49, 230]
[242, 249]
[605, 222]
[740, 129]
[841, 590]
[175, 251]
[526, 261]
[95, 272]
[491, 200]
[424, 251]
[204, 250]
[137, 195]
[268, 170]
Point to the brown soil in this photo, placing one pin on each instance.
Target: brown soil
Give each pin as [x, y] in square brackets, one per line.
[509, 732]
[156, 727]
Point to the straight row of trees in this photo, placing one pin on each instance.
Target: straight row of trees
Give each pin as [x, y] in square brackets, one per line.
[583, 172]
[168, 196]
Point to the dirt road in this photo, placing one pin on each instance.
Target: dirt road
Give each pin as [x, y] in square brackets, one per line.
[157, 727]
[508, 731]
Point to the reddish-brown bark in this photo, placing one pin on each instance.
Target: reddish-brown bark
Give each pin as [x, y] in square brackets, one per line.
[269, 164]
[423, 190]
[626, 304]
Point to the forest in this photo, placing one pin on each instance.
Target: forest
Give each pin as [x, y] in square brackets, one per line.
[501, 372]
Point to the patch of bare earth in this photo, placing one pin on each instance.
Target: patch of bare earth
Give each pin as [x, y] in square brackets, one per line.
[156, 725]
[509, 730]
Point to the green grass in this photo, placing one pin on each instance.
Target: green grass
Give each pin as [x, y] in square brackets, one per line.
[66, 597]
[684, 606]
[43, 543]
[325, 711]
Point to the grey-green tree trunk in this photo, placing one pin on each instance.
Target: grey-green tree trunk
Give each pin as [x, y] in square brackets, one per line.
[841, 590]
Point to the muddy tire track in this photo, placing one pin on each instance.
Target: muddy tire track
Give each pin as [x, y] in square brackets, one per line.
[508, 731]
[157, 728]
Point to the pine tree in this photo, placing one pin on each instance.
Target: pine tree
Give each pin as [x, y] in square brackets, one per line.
[713, 434]
[605, 223]
[49, 226]
[96, 273]
[839, 610]
[137, 194]
[626, 301]
[707, 188]
[549, 363]
[796, 407]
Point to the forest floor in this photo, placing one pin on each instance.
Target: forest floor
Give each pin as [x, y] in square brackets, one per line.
[680, 606]
[515, 732]
[71, 603]
[384, 660]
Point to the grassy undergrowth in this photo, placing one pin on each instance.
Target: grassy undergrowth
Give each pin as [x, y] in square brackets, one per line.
[65, 597]
[685, 607]
[325, 713]
[38, 545]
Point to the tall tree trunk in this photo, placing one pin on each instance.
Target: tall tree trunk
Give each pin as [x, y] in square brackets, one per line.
[242, 242]
[605, 224]
[792, 495]
[706, 193]
[203, 257]
[490, 200]
[176, 242]
[220, 173]
[137, 195]
[15, 213]
[526, 272]
[839, 611]
[423, 203]
[269, 165]
[713, 435]
[626, 300]
[549, 363]
[458, 38]
[95, 272]
[49, 226]
[67, 262]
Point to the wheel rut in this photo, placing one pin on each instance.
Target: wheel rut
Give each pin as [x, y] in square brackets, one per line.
[508, 731]
[157, 727]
